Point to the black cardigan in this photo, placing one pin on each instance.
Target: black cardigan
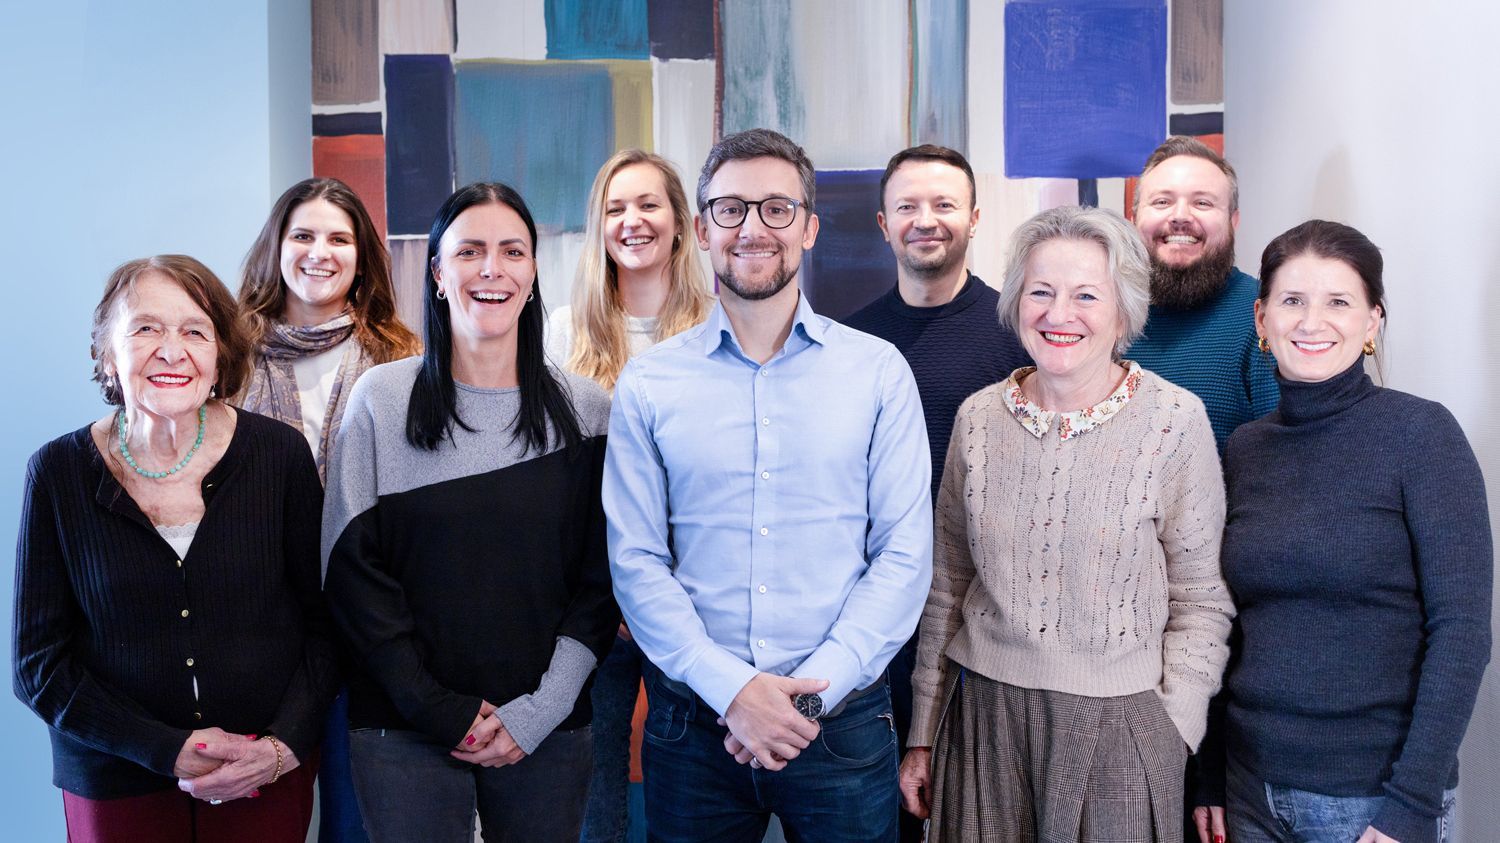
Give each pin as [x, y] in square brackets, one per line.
[111, 627]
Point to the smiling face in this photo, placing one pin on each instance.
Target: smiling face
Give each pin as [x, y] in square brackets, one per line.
[638, 222]
[1069, 314]
[752, 260]
[318, 262]
[162, 348]
[1183, 211]
[928, 216]
[1316, 318]
[486, 268]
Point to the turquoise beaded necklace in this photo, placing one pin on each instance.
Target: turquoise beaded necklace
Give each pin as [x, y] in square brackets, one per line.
[157, 475]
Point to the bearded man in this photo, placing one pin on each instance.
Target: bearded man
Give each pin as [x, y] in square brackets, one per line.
[1201, 331]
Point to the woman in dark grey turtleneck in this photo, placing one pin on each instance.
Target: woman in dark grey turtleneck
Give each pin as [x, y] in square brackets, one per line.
[1358, 547]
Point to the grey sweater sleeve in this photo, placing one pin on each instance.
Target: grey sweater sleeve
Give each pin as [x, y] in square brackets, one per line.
[532, 717]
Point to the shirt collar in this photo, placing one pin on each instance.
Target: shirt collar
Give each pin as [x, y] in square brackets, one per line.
[1073, 423]
[718, 330]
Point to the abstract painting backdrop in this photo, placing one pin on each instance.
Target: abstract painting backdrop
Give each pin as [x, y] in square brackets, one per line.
[1053, 101]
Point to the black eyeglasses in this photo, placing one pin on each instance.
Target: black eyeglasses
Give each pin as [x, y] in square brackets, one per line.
[775, 211]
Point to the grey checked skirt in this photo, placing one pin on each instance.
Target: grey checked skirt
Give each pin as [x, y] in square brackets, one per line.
[1019, 765]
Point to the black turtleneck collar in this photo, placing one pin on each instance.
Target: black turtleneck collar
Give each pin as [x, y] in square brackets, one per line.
[1304, 402]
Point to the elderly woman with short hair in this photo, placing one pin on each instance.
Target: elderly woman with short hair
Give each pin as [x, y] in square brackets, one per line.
[1077, 623]
[169, 624]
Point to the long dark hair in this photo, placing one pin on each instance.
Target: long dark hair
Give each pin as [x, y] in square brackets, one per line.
[433, 409]
[372, 298]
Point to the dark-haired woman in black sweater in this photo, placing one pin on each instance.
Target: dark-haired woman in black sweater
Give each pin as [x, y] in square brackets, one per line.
[1358, 546]
[466, 557]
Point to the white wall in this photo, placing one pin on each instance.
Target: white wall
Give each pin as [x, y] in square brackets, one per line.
[1383, 115]
[130, 129]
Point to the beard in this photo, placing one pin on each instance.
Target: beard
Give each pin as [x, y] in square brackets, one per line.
[1192, 286]
[770, 287]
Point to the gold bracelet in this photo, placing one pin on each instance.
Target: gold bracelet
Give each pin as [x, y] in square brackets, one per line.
[280, 759]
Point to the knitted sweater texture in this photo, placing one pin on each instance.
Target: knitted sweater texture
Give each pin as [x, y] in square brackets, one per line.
[1211, 351]
[1087, 564]
[1359, 551]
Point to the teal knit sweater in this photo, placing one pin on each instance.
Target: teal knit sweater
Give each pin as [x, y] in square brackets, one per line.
[1211, 352]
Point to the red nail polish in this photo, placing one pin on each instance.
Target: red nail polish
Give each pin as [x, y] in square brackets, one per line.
[469, 740]
[201, 745]
[249, 737]
[254, 794]
[1218, 838]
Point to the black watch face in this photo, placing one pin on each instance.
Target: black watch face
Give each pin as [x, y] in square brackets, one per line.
[809, 705]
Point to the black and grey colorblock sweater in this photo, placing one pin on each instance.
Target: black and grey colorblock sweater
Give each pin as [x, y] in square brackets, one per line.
[473, 572]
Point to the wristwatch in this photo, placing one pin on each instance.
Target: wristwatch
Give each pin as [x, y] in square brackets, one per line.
[809, 705]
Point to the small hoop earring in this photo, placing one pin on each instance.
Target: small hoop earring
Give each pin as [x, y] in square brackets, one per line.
[531, 295]
[1369, 348]
[1265, 347]
[440, 294]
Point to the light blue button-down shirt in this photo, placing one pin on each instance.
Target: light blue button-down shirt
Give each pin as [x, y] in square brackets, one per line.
[769, 518]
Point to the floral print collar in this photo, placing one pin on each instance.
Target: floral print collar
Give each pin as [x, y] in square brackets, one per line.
[1076, 422]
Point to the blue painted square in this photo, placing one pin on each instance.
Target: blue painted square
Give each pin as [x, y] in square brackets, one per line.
[1085, 86]
[418, 140]
[850, 265]
[681, 29]
[597, 29]
[541, 127]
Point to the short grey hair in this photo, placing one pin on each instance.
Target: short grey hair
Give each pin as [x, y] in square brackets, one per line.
[1129, 265]
[758, 143]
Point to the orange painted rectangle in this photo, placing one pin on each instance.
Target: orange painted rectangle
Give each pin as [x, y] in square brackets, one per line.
[358, 161]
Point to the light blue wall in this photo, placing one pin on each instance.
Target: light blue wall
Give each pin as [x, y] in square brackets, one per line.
[129, 129]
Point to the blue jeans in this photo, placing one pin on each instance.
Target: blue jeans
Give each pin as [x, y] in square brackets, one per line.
[841, 788]
[338, 810]
[410, 788]
[616, 686]
[1261, 812]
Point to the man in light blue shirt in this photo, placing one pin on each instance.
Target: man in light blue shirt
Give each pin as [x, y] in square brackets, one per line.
[770, 532]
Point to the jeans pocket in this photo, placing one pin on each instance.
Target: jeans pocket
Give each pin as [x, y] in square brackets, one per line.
[666, 717]
[858, 740]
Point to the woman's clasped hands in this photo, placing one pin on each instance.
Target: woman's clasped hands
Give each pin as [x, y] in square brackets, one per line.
[487, 743]
[217, 766]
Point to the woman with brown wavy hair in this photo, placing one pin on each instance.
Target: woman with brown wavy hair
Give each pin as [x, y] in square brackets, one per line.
[317, 296]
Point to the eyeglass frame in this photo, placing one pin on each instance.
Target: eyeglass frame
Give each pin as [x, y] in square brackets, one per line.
[797, 204]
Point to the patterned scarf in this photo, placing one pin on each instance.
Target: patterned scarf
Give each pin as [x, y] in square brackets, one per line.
[273, 384]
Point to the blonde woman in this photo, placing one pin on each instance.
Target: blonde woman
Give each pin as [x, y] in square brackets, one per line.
[638, 282]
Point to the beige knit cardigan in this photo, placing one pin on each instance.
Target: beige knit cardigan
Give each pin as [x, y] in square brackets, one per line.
[1085, 563]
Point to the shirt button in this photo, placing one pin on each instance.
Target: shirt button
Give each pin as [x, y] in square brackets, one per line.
[765, 373]
[179, 563]
[761, 643]
[765, 475]
[764, 531]
[197, 715]
[765, 420]
[762, 589]
[184, 612]
[189, 662]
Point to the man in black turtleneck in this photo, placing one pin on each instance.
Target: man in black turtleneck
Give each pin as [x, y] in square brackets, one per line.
[941, 317]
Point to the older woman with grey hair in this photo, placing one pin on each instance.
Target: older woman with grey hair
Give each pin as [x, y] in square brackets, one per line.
[1077, 623]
